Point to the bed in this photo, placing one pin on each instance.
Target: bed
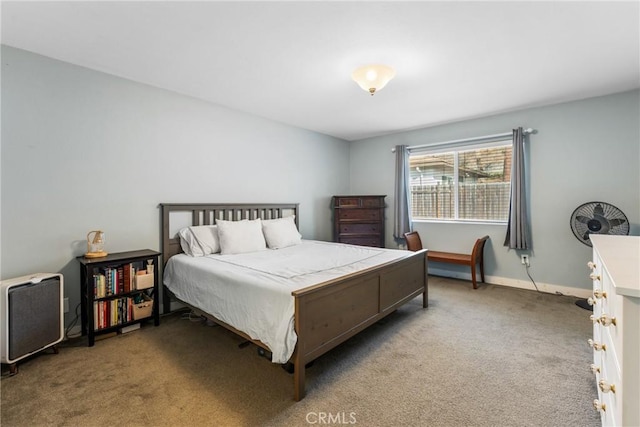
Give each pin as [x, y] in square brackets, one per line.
[367, 285]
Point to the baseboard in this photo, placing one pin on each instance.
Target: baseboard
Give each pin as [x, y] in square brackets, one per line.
[515, 283]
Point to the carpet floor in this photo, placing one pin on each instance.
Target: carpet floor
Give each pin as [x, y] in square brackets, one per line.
[495, 356]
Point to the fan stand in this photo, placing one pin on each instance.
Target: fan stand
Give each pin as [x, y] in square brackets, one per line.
[583, 303]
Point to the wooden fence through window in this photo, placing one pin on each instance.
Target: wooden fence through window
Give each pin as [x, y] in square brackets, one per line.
[477, 201]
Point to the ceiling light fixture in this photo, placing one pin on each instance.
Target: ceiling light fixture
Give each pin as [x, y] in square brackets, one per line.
[372, 78]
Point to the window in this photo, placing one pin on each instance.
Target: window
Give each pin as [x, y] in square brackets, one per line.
[468, 183]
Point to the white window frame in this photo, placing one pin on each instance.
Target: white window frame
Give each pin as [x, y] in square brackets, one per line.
[456, 149]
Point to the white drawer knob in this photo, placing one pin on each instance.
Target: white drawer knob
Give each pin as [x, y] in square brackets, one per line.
[605, 387]
[607, 320]
[591, 265]
[594, 276]
[598, 293]
[594, 369]
[599, 406]
[594, 319]
[591, 301]
[596, 345]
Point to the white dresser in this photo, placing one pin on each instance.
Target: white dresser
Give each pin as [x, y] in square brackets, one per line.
[616, 328]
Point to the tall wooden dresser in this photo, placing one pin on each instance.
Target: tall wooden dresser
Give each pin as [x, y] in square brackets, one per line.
[616, 328]
[359, 220]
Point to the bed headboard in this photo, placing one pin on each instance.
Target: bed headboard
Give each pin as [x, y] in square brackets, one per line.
[189, 214]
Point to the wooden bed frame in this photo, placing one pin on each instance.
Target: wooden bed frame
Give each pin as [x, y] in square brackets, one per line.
[326, 314]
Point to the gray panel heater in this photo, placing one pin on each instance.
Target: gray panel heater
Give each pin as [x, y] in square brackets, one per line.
[32, 315]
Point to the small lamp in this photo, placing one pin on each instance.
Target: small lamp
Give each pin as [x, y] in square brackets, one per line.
[372, 78]
[95, 244]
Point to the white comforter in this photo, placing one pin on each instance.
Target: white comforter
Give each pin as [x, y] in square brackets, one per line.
[252, 292]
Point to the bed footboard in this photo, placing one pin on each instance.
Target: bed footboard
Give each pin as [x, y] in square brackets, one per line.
[329, 313]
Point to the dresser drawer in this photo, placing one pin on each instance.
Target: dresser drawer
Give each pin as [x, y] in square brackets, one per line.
[608, 302]
[361, 240]
[608, 416]
[374, 202]
[359, 202]
[373, 228]
[348, 202]
[610, 374]
[600, 296]
[360, 214]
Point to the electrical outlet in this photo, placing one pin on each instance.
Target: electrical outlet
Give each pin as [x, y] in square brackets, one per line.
[66, 305]
[524, 259]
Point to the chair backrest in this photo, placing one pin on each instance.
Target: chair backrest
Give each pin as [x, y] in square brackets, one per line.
[478, 249]
[413, 241]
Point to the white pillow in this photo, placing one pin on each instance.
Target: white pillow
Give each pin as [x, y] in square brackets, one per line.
[238, 237]
[200, 240]
[281, 232]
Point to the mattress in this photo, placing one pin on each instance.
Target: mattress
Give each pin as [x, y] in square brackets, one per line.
[252, 291]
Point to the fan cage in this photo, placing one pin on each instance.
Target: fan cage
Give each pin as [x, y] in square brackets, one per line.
[598, 218]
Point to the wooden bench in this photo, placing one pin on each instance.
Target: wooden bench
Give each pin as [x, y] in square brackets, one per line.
[476, 257]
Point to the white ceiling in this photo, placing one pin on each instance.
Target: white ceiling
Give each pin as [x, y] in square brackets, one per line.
[291, 61]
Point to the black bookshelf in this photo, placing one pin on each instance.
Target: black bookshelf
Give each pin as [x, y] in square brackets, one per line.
[119, 286]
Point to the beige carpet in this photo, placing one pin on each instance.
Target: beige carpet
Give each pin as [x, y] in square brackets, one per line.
[494, 356]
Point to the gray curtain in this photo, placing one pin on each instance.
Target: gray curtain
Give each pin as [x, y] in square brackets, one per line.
[402, 214]
[518, 226]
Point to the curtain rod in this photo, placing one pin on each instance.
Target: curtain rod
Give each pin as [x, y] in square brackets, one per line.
[474, 139]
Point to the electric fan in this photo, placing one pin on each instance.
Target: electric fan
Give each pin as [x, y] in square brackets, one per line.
[597, 218]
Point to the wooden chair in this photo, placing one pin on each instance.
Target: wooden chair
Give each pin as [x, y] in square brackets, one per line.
[472, 260]
[414, 243]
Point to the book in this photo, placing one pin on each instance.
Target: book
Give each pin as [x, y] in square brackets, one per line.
[121, 279]
[96, 320]
[127, 278]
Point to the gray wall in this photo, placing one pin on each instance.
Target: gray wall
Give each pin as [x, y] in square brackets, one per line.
[584, 151]
[83, 150]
